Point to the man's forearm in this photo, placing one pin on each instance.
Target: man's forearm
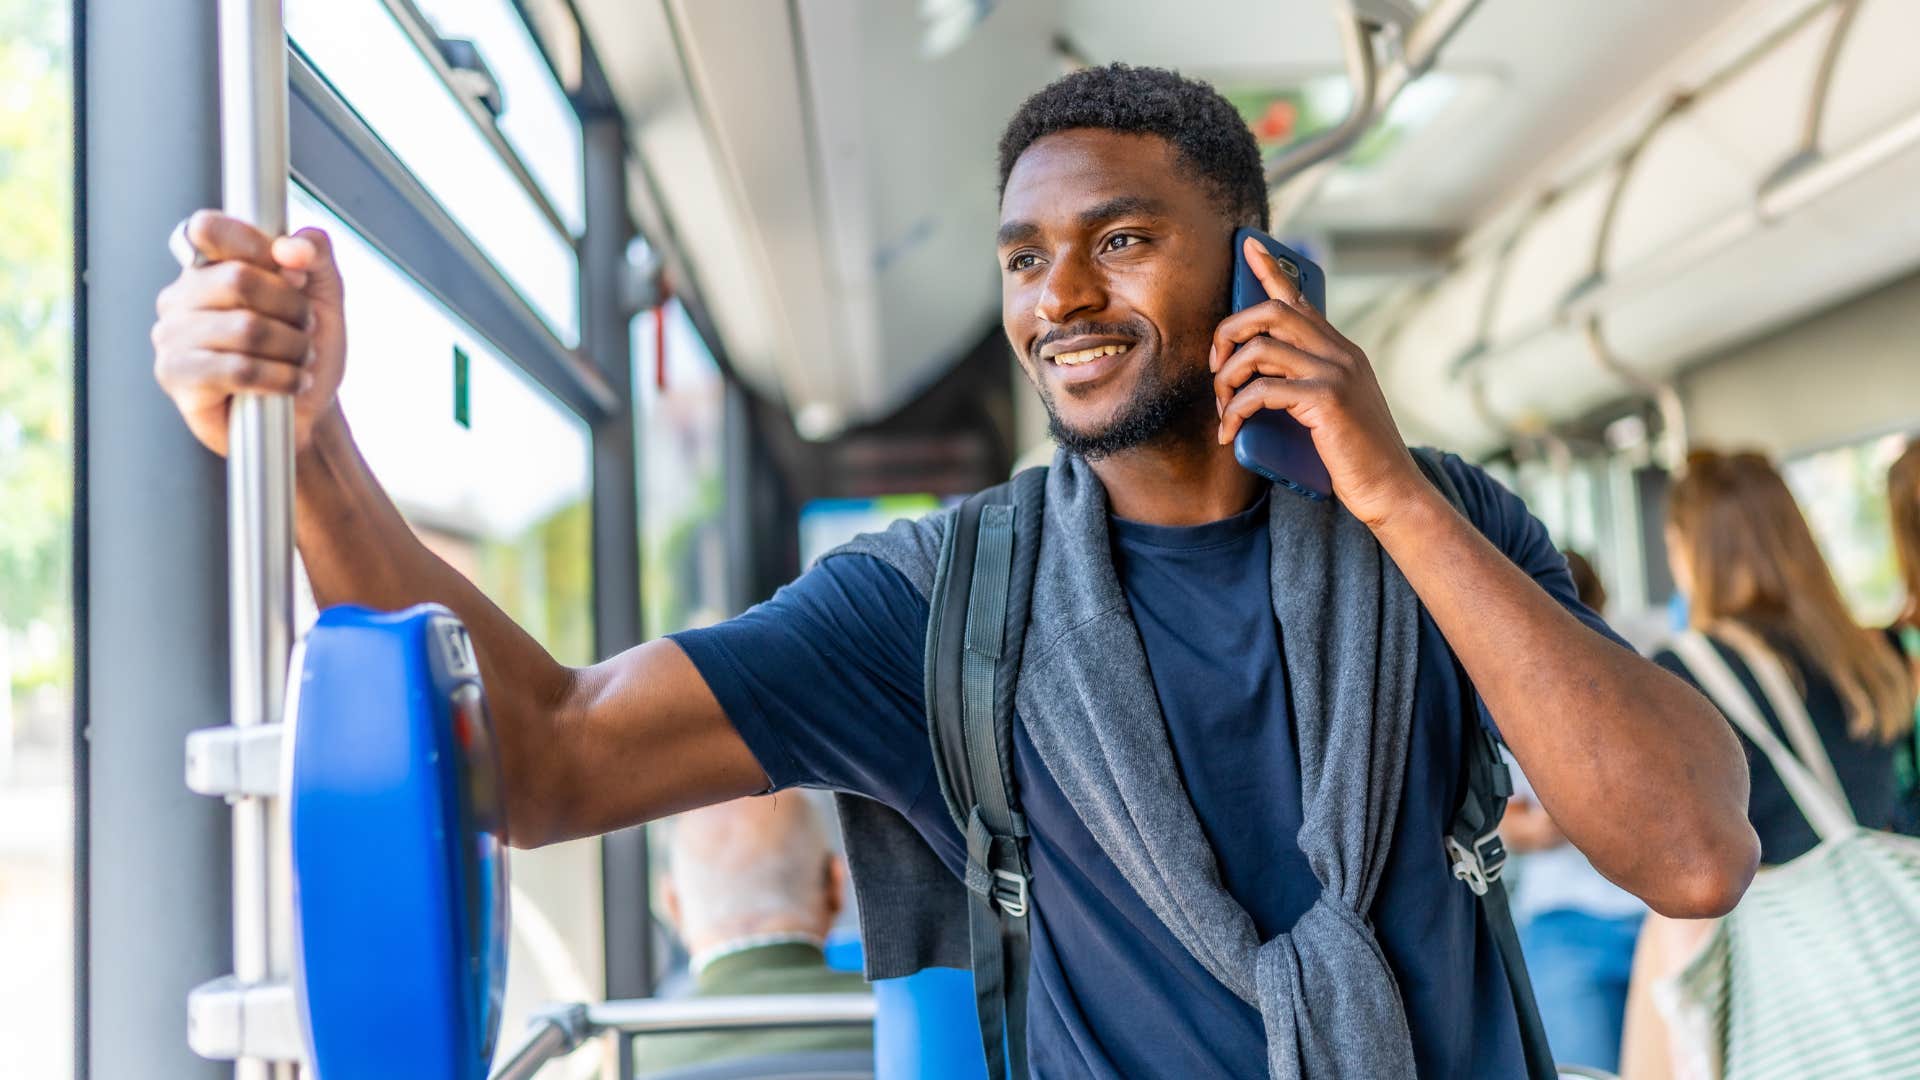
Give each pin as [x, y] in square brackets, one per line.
[359, 550]
[1634, 766]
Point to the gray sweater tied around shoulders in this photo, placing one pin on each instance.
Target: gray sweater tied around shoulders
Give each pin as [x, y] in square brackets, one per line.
[1348, 632]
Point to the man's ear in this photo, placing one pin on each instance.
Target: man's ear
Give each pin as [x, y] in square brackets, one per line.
[670, 901]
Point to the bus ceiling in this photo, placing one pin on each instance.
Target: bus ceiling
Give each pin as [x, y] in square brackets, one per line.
[830, 176]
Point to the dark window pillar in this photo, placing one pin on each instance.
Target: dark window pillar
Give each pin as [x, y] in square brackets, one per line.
[150, 566]
[616, 516]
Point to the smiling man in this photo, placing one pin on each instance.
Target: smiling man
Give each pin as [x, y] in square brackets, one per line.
[1240, 717]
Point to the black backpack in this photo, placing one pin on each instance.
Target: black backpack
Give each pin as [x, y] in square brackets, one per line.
[975, 631]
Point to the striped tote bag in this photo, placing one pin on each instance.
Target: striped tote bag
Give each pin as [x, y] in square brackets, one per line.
[1817, 973]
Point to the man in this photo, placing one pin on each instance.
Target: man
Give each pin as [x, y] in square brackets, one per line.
[1121, 188]
[752, 889]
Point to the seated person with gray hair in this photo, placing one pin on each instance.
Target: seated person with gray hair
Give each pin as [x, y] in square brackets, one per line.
[752, 889]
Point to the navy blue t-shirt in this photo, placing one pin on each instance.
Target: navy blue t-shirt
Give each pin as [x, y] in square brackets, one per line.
[824, 683]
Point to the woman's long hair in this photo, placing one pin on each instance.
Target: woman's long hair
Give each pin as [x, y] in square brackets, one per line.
[1754, 564]
[1903, 502]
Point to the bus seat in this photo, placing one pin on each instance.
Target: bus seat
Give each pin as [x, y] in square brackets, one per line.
[925, 1027]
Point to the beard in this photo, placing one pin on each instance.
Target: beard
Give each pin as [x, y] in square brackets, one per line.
[1168, 404]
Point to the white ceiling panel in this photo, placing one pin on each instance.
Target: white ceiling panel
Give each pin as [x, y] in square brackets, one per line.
[833, 180]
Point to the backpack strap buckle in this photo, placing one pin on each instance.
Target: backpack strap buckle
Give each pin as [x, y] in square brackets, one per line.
[1010, 893]
[996, 872]
[1479, 865]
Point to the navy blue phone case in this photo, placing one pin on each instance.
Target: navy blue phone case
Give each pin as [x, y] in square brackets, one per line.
[1272, 443]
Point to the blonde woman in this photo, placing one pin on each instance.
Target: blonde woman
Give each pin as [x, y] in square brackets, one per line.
[1745, 560]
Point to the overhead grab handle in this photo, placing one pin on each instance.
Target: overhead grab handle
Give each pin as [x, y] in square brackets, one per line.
[1356, 46]
[1297, 174]
[1672, 448]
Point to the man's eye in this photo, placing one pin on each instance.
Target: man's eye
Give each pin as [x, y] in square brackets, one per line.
[1023, 260]
[1121, 240]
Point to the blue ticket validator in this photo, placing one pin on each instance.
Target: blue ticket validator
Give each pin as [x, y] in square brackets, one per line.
[399, 877]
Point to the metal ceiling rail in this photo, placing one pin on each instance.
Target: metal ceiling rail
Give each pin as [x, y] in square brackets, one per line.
[347, 167]
[1420, 45]
[427, 41]
[1780, 195]
[1473, 245]
[1803, 176]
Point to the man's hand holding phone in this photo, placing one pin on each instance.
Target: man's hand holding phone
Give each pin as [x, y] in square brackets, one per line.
[256, 315]
[1283, 354]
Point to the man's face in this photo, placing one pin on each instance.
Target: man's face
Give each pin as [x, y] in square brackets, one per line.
[1115, 267]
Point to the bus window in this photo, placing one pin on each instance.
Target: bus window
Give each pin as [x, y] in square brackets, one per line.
[369, 59]
[503, 497]
[36, 542]
[1843, 491]
[536, 119]
[680, 414]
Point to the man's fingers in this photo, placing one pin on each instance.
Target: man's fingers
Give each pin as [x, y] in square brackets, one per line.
[230, 286]
[1266, 393]
[1278, 320]
[236, 331]
[1286, 289]
[219, 238]
[1263, 356]
[209, 371]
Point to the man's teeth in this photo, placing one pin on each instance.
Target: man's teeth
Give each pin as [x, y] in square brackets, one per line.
[1084, 355]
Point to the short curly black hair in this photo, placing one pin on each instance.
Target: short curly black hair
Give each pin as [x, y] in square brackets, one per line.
[1204, 127]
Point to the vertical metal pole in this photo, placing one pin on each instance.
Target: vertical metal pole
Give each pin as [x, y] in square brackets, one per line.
[253, 144]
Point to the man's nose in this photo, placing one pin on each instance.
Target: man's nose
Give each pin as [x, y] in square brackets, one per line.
[1072, 289]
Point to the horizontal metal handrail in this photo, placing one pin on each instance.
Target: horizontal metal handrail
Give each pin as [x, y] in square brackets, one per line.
[652, 1016]
[561, 1031]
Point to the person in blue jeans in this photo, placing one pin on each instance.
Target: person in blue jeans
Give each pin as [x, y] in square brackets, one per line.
[1577, 928]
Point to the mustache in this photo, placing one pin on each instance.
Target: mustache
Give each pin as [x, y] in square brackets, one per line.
[1130, 331]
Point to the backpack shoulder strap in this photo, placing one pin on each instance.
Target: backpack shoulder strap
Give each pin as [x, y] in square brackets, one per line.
[1473, 842]
[976, 628]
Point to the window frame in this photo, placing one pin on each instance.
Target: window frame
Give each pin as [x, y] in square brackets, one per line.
[146, 107]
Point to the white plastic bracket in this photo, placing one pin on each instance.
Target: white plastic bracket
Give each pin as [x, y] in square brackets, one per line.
[228, 1020]
[235, 761]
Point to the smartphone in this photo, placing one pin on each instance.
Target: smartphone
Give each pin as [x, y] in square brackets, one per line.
[1271, 442]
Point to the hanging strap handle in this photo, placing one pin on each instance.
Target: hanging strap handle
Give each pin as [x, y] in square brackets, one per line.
[1825, 808]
